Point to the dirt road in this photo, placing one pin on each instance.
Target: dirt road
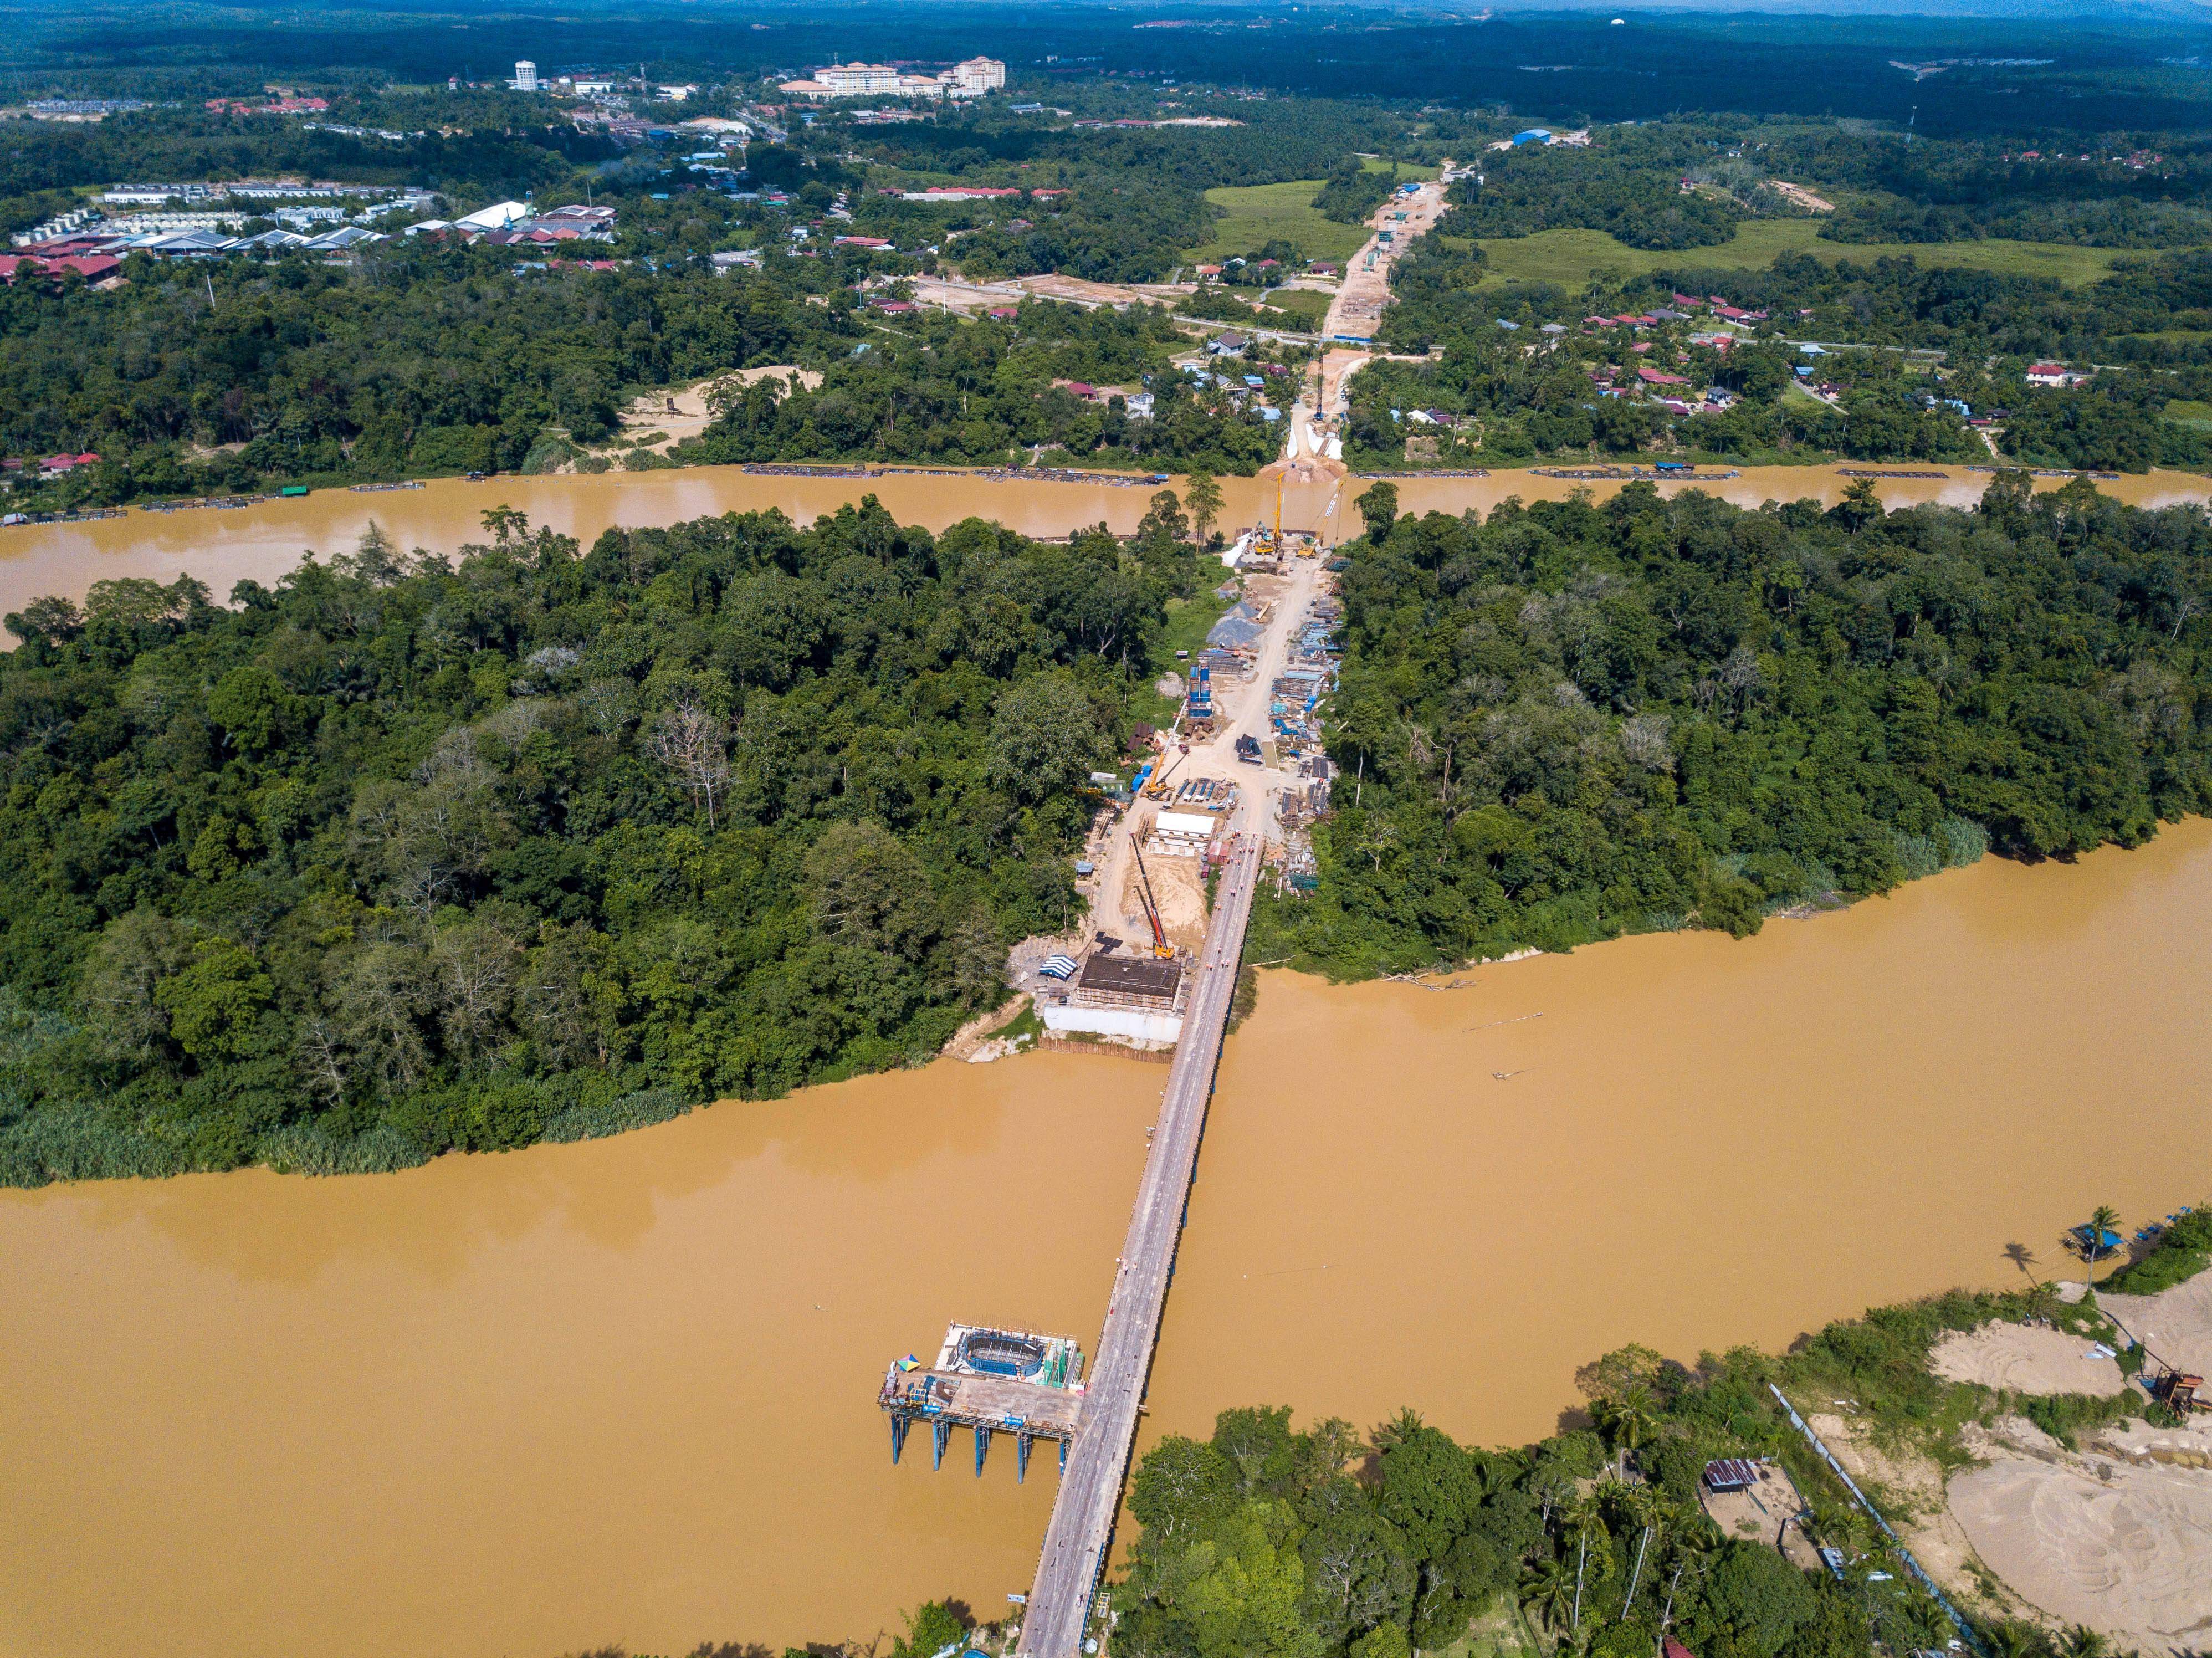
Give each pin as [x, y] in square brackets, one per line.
[1313, 445]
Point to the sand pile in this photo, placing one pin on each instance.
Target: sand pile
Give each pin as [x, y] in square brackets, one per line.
[2129, 1553]
[2026, 1360]
[2175, 1325]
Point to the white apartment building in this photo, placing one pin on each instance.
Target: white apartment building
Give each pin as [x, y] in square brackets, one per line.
[976, 77]
[525, 76]
[857, 80]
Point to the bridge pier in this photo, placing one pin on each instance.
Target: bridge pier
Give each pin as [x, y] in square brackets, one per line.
[982, 1445]
[1021, 1458]
[899, 1425]
[939, 1432]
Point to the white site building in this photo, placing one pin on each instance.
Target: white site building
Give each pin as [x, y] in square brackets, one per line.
[525, 76]
[971, 79]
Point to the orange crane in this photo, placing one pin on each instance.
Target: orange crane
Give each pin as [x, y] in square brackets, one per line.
[1161, 948]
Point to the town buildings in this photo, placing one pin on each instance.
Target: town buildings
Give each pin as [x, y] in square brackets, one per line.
[971, 79]
[525, 76]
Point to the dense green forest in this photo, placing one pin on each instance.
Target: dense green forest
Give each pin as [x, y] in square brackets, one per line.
[1629, 186]
[969, 393]
[427, 359]
[407, 854]
[1573, 720]
[2091, 74]
[1688, 182]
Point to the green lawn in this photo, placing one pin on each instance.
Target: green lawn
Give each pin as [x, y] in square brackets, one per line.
[1256, 213]
[1571, 257]
[1306, 302]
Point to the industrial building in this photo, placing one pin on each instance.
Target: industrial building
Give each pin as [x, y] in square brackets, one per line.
[1134, 998]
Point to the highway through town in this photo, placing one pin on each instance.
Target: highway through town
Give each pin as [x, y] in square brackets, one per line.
[1082, 1528]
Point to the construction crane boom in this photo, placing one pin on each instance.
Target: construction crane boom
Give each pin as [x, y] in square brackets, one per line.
[1157, 788]
[1160, 946]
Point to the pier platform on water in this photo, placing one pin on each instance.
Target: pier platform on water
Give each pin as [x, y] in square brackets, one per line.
[988, 1381]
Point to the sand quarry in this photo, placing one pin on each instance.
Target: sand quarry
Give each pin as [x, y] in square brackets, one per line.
[2027, 1359]
[2175, 1326]
[2121, 1548]
[2118, 1536]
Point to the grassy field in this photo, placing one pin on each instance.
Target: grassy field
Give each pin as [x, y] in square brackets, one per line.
[1571, 257]
[1260, 213]
[1306, 302]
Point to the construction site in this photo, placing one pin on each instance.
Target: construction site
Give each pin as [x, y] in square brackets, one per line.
[988, 1381]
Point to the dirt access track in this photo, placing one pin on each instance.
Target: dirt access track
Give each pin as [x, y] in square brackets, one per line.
[1364, 294]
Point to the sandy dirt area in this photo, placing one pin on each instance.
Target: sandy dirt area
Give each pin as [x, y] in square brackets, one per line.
[1179, 888]
[2121, 1548]
[2139, 1442]
[2026, 1360]
[1762, 1513]
[1909, 1490]
[684, 413]
[1076, 289]
[2175, 1325]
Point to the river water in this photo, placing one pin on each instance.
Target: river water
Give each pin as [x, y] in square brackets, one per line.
[263, 542]
[624, 1391]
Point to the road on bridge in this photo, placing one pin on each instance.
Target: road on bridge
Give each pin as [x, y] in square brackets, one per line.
[1091, 1492]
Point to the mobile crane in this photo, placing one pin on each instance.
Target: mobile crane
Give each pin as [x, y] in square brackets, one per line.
[1161, 948]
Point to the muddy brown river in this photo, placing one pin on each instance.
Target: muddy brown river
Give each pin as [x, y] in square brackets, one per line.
[264, 541]
[624, 1391]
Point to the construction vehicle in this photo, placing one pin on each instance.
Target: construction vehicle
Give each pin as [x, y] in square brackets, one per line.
[1161, 948]
[1248, 750]
[1157, 788]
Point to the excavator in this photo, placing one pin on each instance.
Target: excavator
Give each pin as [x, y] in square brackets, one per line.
[1161, 948]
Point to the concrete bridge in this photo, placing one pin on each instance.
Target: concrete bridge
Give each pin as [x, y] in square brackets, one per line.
[1082, 1528]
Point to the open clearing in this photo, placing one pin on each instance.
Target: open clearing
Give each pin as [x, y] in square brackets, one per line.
[2124, 1550]
[2026, 1359]
[1258, 214]
[2174, 1325]
[1571, 257]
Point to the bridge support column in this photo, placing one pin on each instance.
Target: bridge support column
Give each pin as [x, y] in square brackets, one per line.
[899, 1425]
[1063, 1459]
[982, 1444]
[939, 1433]
[1021, 1458]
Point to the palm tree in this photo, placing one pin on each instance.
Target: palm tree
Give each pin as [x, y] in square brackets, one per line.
[2039, 1300]
[1582, 1519]
[1546, 1588]
[2015, 1639]
[2102, 1219]
[2081, 1641]
[1629, 1418]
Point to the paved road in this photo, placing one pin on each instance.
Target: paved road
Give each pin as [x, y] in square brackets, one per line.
[1091, 1492]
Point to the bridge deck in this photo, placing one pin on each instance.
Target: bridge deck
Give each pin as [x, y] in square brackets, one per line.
[1090, 1496]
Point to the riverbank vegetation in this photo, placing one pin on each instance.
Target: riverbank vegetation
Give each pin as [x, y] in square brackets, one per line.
[1263, 1539]
[409, 853]
[1573, 720]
